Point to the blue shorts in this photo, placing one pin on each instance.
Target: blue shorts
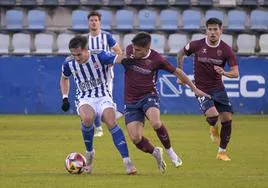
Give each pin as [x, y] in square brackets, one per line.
[136, 111]
[219, 99]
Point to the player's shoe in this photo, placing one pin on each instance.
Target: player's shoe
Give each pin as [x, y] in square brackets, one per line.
[98, 132]
[223, 156]
[175, 159]
[214, 134]
[89, 160]
[130, 168]
[158, 154]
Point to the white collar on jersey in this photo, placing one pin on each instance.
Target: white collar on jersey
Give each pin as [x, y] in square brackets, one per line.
[211, 45]
[145, 57]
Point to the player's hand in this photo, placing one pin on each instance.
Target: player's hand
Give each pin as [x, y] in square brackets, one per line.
[180, 82]
[219, 70]
[65, 104]
[200, 93]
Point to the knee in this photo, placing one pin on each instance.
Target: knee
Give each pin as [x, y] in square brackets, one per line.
[136, 139]
[87, 121]
[156, 124]
[212, 120]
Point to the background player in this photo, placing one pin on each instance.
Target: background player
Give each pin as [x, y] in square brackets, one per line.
[211, 55]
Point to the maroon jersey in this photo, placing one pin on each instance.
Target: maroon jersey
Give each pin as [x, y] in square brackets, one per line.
[141, 77]
[206, 56]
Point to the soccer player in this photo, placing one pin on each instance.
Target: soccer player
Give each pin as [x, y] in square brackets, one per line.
[142, 100]
[211, 55]
[93, 97]
[101, 40]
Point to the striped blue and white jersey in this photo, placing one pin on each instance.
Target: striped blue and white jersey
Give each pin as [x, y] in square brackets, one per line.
[90, 77]
[103, 41]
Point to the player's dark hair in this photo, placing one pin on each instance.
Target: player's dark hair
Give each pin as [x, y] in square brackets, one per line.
[78, 42]
[142, 39]
[214, 21]
[94, 13]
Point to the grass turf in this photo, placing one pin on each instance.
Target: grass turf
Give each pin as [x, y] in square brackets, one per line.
[33, 150]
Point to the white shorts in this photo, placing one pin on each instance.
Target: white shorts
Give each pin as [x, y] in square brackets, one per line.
[98, 104]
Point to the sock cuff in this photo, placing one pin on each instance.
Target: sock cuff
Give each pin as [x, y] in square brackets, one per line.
[226, 123]
[87, 129]
[114, 129]
[212, 120]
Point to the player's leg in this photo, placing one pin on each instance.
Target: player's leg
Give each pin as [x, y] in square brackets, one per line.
[87, 114]
[153, 115]
[98, 128]
[208, 108]
[108, 116]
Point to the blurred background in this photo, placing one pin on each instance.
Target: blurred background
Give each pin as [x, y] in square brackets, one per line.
[34, 37]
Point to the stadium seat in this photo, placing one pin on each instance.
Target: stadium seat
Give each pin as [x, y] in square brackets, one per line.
[228, 39]
[137, 2]
[169, 19]
[237, 20]
[215, 13]
[259, 19]
[124, 19]
[246, 44]
[205, 2]
[62, 42]
[159, 2]
[227, 3]
[158, 42]
[28, 2]
[61, 18]
[176, 42]
[106, 19]
[127, 40]
[249, 2]
[91, 2]
[198, 36]
[36, 19]
[180, 2]
[44, 43]
[21, 43]
[14, 19]
[79, 20]
[191, 19]
[263, 44]
[147, 19]
[116, 3]
[50, 2]
[72, 2]
[4, 44]
[7, 2]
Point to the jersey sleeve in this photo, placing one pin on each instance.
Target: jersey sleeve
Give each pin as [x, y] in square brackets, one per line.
[231, 58]
[190, 47]
[165, 65]
[111, 41]
[107, 58]
[66, 69]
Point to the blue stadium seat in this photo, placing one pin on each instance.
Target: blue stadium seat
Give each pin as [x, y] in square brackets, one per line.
[72, 2]
[50, 2]
[147, 19]
[124, 19]
[191, 19]
[79, 20]
[8, 2]
[106, 19]
[259, 19]
[169, 19]
[215, 13]
[205, 2]
[14, 19]
[180, 2]
[158, 42]
[116, 3]
[28, 2]
[236, 20]
[36, 19]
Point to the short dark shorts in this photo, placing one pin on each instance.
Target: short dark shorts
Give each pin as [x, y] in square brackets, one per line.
[136, 111]
[219, 99]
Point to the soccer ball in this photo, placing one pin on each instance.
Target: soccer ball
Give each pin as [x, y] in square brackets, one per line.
[75, 163]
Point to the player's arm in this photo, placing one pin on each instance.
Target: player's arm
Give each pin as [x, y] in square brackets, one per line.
[180, 58]
[233, 73]
[184, 79]
[65, 87]
[117, 50]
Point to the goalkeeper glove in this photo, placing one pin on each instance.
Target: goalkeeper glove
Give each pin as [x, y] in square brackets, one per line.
[65, 104]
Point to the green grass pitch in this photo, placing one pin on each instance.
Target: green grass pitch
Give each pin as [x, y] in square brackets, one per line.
[33, 150]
